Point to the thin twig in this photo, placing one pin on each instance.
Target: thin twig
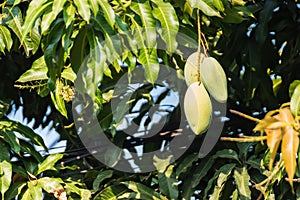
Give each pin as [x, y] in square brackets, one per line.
[244, 139]
[199, 44]
[245, 116]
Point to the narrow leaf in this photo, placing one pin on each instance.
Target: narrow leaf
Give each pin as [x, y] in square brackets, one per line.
[48, 163]
[164, 12]
[83, 9]
[38, 71]
[289, 149]
[109, 14]
[35, 190]
[5, 176]
[5, 38]
[101, 177]
[204, 7]
[242, 179]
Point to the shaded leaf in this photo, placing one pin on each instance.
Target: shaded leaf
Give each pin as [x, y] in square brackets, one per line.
[101, 177]
[14, 190]
[201, 171]
[227, 153]
[186, 164]
[58, 100]
[168, 184]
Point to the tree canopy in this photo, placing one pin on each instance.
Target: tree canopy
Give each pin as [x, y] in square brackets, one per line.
[60, 55]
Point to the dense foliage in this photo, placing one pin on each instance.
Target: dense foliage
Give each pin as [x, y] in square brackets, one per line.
[44, 42]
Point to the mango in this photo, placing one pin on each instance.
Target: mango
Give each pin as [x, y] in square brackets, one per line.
[214, 79]
[191, 68]
[197, 108]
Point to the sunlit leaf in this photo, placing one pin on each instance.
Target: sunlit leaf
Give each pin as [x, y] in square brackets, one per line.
[48, 163]
[109, 14]
[143, 192]
[68, 74]
[289, 149]
[204, 7]
[5, 39]
[168, 183]
[38, 71]
[223, 174]
[35, 190]
[58, 100]
[5, 176]
[166, 15]
[295, 101]
[274, 136]
[242, 179]
[83, 9]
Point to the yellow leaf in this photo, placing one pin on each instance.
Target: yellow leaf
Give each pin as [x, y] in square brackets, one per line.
[274, 136]
[290, 144]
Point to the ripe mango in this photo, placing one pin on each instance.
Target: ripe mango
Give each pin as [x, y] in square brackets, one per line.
[214, 79]
[197, 108]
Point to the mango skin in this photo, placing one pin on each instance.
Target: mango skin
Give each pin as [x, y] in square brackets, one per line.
[191, 68]
[295, 100]
[214, 79]
[197, 108]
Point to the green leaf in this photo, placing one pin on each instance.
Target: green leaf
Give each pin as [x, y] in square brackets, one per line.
[26, 195]
[94, 6]
[11, 139]
[168, 183]
[47, 20]
[293, 86]
[143, 9]
[38, 71]
[48, 163]
[204, 7]
[219, 5]
[186, 164]
[5, 154]
[242, 179]
[58, 100]
[265, 16]
[101, 177]
[78, 50]
[57, 6]
[49, 184]
[111, 192]
[143, 192]
[5, 176]
[14, 190]
[35, 190]
[108, 12]
[69, 14]
[24, 131]
[201, 170]
[83, 9]
[14, 21]
[68, 74]
[5, 39]
[224, 172]
[166, 15]
[28, 148]
[35, 10]
[227, 153]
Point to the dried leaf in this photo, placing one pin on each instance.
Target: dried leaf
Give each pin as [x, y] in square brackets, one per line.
[59, 193]
[290, 144]
[274, 137]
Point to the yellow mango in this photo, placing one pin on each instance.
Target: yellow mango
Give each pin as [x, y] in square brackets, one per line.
[197, 108]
